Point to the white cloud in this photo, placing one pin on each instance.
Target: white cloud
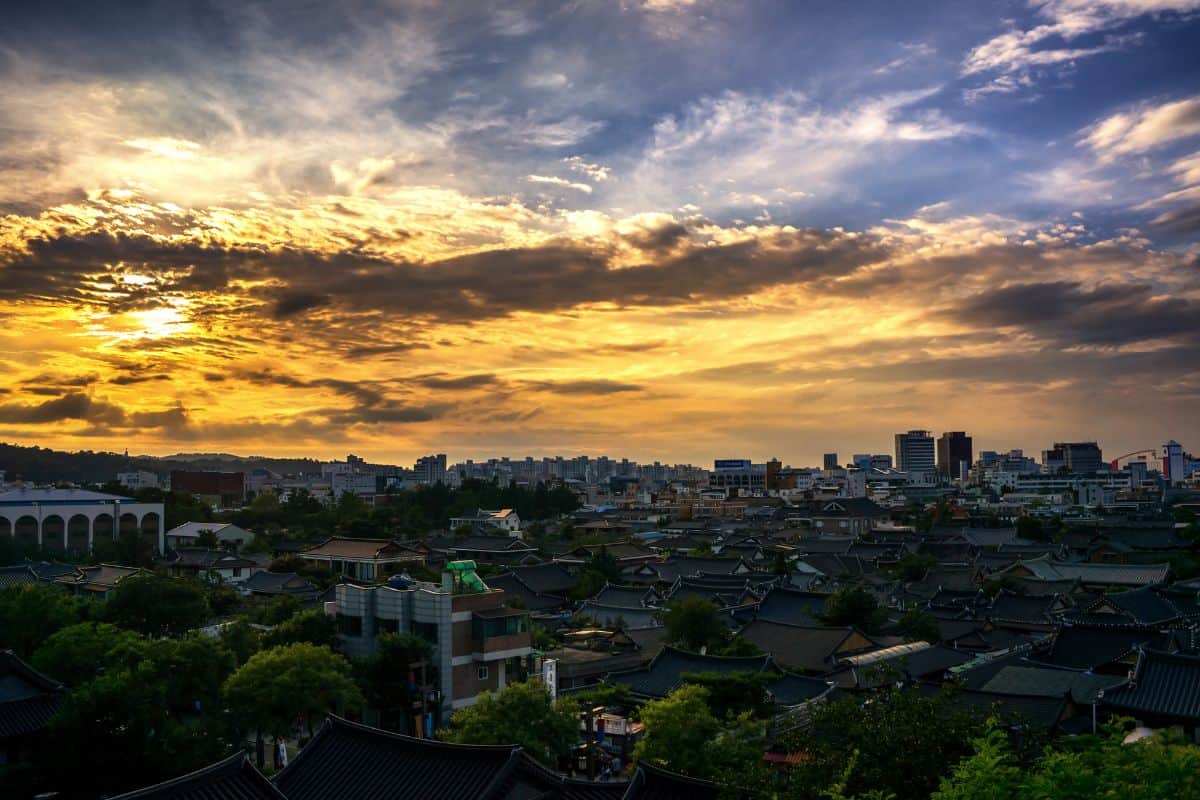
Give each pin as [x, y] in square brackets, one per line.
[1056, 41]
[596, 172]
[1144, 128]
[556, 181]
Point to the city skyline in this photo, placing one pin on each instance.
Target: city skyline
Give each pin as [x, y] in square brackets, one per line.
[674, 229]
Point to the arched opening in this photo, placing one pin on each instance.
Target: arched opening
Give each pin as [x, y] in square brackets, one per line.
[102, 528]
[26, 532]
[54, 531]
[149, 527]
[5, 527]
[129, 525]
[77, 534]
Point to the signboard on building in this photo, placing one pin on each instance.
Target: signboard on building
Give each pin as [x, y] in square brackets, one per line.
[550, 676]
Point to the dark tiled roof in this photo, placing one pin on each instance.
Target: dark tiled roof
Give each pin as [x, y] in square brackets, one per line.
[352, 762]
[1146, 605]
[1164, 684]
[17, 575]
[625, 596]
[612, 615]
[549, 578]
[792, 606]
[235, 778]
[1089, 646]
[1050, 683]
[28, 699]
[529, 600]
[278, 583]
[663, 675]
[1010, 607]
[654, 783]
[1036, 710]
[792, 689]
[809, 648]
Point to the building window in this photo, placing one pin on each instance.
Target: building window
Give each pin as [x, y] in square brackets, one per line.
[426, 630]
[237, 572]
[482, 672]
[349, 626]
[383, 625]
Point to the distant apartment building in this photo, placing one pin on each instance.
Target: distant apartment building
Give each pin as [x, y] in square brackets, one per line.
[218, 489]
[915, 453]
[479, 643]
[429, 470]
[1172, 464]
[138, 479]
[830, 461]
[739, 474]
[1077, 458]
[954, 455]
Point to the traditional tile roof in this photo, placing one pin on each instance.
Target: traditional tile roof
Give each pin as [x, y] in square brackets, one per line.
[234, 778]
[1095, 574]
[1008, 607]
[792, 606]
[1086, 647]
[626, 596]
[654, 783]
[791, 689]
[278, 583]
[28, 699]
[204, 558]
[1023, 709]
[1164, 685]
[17, 575]
[352, 762]
[1027, 680]
[989, 537]
[1146, 605]
[663, 674]
[530, 600]
[342, 547]
[627, 618]
[548, 578]
[810, 648]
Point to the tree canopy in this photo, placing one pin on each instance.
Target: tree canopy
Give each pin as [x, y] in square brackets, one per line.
[157, 605]
[854, 606]
[692, 623]
[523, 714]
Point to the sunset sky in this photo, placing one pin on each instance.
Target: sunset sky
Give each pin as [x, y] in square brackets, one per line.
[666, 229]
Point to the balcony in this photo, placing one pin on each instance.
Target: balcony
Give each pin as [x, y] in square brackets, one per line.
[500, 633]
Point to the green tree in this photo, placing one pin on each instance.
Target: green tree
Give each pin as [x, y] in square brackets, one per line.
[31, 614]
[383, 677]
[693, 623]
[156, 605]
[732, 693]
[313, 626]
[919, 625]
[76, 654]
[683, 735]
[523, 714]
[854, 606]
[1030, 528]
[242, 639]
[913, 567]
[277, 686]
[208, 538]
[779, 565]
[905, 740]
[191, 671]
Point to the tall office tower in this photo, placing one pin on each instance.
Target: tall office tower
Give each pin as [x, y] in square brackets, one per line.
[831, 461]
[1072, 457]
[954, 455]
[914, 452]
[1173, 462]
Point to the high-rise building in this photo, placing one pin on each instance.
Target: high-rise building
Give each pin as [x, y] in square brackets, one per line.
[1078, 458]
[772, 471]
[954, 455]
[430, 469]
[1173, 462]
[831, 461]
[914, 452]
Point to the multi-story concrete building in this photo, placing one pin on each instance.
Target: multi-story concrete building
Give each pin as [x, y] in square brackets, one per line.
[74, 520]
[138, 479]
[479, 643]
[1076, 458]
[738, 473]
[915, 452]
[430, 469]
[218, 489]
[954, 455]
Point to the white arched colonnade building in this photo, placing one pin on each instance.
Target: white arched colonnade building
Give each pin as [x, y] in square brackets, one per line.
[61, 520]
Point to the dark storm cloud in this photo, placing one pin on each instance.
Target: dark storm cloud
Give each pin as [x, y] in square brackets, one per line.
[99, 413]
[598, 386]
[484, 285]
[1182, 221]
[448, 382]
[370, 402]
[1108, 315]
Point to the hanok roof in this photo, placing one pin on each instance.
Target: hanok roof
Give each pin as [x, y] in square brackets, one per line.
[1036, 710]
[234, 778]
[792, 689]
[344, 548]
[810, 648]
[626, 596]
[548, 578]
[351, 761]
[278, 583]
[654, 783]
[989, 537]
[626, 618]
[663, 674]
[1081, 686]
[1087, 647]
[1095, 574]
[204, 558]
[792, 606]
[917, 660]
[100, 578]
[1146, 605]
[1163, 685]
[17, 575]
[192, 530]
[528, 599]
[28, 699]
[1014, 608]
